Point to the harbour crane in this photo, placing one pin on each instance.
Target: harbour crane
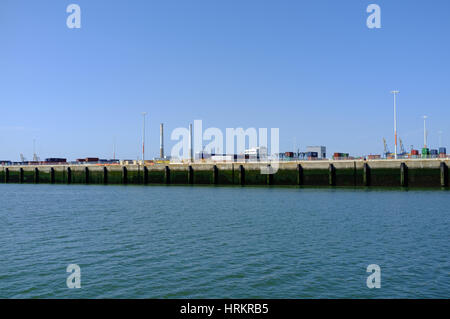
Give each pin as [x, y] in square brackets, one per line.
[402, 149]
[386, 149]
[35, 157]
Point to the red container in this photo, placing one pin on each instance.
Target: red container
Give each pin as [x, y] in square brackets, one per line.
[289, 154]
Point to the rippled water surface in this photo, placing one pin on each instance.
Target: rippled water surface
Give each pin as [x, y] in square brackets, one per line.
[222, 242]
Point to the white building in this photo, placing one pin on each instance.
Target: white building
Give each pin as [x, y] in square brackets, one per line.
[320, 150]
[256, 152]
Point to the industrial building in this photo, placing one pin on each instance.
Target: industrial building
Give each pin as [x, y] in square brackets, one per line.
[256, 153]
[252, 154]
[320, 150]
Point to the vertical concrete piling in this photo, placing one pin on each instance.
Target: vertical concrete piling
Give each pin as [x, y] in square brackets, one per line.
[36, 175]
[190, 175]
[215, 175]
[145, 182]
[299, 175]
[366, 175]
[444, 175]
[241, 175]
[21, 175]
[86, 175]
[124, 175]
[105, 175]
[69, 175]
[403, 175]
[167, 175]
[331, 175]
[52, 175]
[6, 175]
[270, 175]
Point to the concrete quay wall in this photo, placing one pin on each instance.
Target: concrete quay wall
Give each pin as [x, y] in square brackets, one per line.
[351, 173]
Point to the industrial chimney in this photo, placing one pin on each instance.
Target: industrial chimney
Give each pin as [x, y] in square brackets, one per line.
[191, 149]
[161, 140]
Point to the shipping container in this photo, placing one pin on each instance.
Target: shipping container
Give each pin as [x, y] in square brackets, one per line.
[56, 160]
[434, 152]
[289, 154]
[442, 150]
[223, 158]
[341, 154]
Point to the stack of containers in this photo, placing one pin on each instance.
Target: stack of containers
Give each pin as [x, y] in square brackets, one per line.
[442, 152]
[312, 155]
[425, 152]
[434, 153]
[338, 156]
[289, 154]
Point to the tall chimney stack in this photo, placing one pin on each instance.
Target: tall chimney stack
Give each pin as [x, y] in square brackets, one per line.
[191, 149]
[161, 140]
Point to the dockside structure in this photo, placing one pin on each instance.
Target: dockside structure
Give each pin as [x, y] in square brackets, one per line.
[352, 173]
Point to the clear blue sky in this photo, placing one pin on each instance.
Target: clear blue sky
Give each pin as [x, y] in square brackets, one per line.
[311, 68]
